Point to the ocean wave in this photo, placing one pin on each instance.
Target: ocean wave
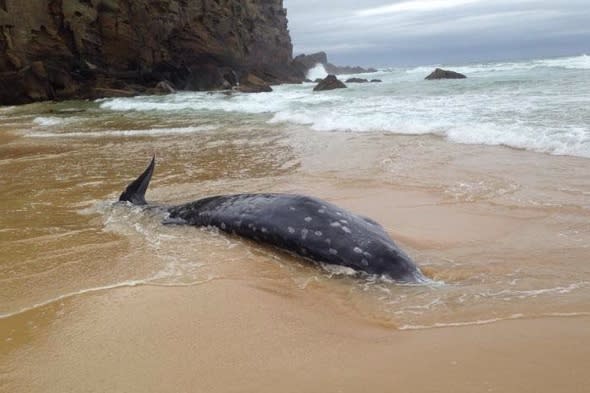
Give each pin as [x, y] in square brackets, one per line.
[317, 72]
[458, 119]
[535, 112]
[129, 283]
[438, 325]
[190, 102]
[123, 133]
[581, 62]
[522, 294]
[52, 121]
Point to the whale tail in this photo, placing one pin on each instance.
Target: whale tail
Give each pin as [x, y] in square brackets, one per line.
[135, 192]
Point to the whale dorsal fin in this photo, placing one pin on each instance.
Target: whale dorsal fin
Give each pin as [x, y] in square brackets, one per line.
[135, 192]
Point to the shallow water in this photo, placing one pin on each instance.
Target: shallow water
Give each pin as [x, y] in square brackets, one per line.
[501, 233]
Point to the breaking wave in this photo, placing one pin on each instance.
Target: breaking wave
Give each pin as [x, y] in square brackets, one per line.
[317, 72]
[538, 110]
[123, 133]
[581, 62]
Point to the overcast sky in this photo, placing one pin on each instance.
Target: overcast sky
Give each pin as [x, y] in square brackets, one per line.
[411, 32]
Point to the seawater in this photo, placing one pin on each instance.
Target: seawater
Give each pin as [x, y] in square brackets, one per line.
[537, 105]
[502, 232]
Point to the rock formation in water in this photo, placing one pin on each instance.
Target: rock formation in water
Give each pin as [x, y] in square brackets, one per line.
[329, 83]
[250, 83]
[357, 80]
[60, 49]
[305, 63]
[444, 74]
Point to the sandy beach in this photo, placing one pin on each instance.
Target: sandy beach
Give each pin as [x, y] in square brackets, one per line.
[236, 336]
[96, 297]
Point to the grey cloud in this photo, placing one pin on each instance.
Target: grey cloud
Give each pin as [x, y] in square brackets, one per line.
[463, 30]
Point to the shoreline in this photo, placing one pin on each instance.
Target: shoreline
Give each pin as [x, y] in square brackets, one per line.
[170, 339]
[506, 230]
[78, 296]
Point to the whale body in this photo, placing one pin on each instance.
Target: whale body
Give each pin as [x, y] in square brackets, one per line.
[303, 225]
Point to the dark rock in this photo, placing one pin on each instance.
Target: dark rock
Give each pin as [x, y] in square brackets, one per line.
[204, 77]
[39, 70]
[357, 80]
[231, 77]
[36, 83]
[444, 74]
[376, 81]
[79, 46]
[100, 92]
[310, 61]
[250, 83]
[329, 83]
[318, 80]
[14, 60]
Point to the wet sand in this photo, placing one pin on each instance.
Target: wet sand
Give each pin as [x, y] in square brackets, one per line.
[234, 336]
[96, 297]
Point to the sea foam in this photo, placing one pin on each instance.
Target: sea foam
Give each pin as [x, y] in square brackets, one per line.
[123, 133]
[581, 62]
[538, 105]
[317, 72]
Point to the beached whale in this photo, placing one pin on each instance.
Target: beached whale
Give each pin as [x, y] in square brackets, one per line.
[309, 227]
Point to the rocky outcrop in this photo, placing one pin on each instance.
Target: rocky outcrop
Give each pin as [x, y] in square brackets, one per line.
[307, 62]
[376, 81]
[357, 80]
[250, 83]
[329, 83]
[59, 49]
[444, 74]
[304, 63]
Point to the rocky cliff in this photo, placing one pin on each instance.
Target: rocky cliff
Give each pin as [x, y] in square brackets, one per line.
[59, 49]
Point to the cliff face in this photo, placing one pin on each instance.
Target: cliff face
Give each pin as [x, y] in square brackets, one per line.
[57, 49]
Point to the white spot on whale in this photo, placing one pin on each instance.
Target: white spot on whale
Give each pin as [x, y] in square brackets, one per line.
[223, 225]
[346, 229]
[292, 208]
[333, 251]
[344, 221]
[357, 250]
[335, 224]
[318, 233]
[264, 230]
[291, 229]
[304, 233]
[328, 240]
[321, 211]
[367, 254]
[365, 262]
[307, 219]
